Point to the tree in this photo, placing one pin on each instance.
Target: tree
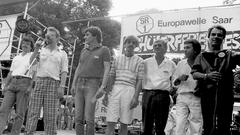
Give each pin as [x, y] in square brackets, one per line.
[54, 12]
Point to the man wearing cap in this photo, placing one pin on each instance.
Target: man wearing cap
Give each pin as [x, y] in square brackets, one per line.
[17, 87]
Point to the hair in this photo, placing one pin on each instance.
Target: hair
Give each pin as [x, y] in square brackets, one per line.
[195, 44]
[219, 27]
[54, 30]
[96, 32]
[29, 39]
[162, 42]
[131, 38]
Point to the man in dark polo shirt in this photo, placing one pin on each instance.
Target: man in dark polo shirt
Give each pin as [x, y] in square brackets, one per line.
[90, 77]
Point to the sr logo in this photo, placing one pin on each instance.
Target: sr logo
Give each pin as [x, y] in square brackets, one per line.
[144, 24]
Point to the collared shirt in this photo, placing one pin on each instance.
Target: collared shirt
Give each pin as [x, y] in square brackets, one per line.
[158, 76]
[20, 65]
[52, 63]
[127, 70]
[188, 85]
[92, 62]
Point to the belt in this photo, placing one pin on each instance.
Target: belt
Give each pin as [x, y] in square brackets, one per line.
[21, 77]
[157, 91]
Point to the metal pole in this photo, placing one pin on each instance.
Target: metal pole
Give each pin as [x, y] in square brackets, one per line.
[21, 35]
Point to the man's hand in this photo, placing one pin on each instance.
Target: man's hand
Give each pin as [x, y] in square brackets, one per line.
[183, 77]
[134, 103]
[29, 89]
[60, 92]
[105, 100]
[100, 92]
[39, 44]
[214, 76]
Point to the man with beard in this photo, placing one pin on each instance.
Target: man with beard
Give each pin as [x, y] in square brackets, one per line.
[17, 88]
[213, 70]
[50, 82]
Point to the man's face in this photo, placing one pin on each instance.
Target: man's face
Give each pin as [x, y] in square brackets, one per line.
[216, 39]
[159, 48]
[51, 37]
[129, 47]
[188, 50]
[26, 46]
[89, 38]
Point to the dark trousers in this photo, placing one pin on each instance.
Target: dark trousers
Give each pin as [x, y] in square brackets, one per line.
[155, 108]
[217, 113]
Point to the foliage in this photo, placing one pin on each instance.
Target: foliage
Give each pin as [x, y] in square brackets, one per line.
[54, 12]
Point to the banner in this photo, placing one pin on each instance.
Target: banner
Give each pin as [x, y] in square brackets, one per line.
[7, 27]
[176, 26]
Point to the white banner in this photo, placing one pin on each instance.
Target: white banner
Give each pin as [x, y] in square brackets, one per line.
[179, 25]
[7, 27]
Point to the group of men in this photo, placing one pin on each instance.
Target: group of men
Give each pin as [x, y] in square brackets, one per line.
[204, 81]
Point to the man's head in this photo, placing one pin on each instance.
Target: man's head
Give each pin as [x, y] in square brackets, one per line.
[192, 48]
[27, 44]
[216, 36]
[129, 44]
[52, 35]
[160, 47]
[93, 34]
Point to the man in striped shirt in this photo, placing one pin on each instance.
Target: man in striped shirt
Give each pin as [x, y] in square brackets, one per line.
[126, 75]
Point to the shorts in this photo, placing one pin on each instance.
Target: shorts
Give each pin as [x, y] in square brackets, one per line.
[119, 104]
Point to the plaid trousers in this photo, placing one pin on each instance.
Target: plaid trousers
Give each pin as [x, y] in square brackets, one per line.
[44, 94]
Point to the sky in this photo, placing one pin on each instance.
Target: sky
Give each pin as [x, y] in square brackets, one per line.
[124, 7]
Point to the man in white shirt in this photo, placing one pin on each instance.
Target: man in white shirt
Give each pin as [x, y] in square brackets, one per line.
[50, 83]
[17, 87]
[188, 106]
[156, 86]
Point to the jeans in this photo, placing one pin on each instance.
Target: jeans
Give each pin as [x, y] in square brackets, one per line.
[84, 109]
[188, 114]
[155, 109]
[16, 93]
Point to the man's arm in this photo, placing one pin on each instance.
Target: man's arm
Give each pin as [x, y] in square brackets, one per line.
[8, 79]
[35, 54]
[105, 75]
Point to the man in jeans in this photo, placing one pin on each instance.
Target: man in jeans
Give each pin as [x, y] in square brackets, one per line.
[17, 88]
[90, 77]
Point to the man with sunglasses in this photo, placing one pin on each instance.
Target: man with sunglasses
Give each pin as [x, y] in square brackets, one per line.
[213, 70]
[156, 86]
[126, 78]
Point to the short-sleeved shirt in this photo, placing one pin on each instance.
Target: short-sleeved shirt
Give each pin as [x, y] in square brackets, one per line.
[92, 62]
[224, 62]
[183, 68]
[127, 70]
[20, 65]
[158, 76]
[52, 63]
